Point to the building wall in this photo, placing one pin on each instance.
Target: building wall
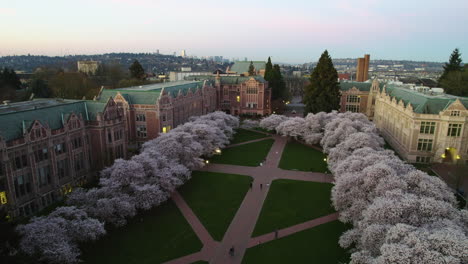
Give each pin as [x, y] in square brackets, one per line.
[355, 100]
[407, 133]
[46, 164]
[251, 97]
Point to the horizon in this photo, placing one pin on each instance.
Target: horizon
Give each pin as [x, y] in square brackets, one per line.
[295, 33]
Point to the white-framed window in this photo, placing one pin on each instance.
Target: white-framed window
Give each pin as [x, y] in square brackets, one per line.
[427, 128]
[141, 117]
[141, 131]
[352, 108]
[454, 130]
[353, 99]
[424, 144]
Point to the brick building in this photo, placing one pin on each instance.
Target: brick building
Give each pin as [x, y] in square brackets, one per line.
[362, 69]
[240, 95]
[47, 147]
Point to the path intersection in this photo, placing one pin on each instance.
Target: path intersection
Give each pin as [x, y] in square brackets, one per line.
[238, 235]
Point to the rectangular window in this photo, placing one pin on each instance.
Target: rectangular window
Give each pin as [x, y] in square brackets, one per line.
[252, 90]
[43, 175]
[423, 159]
[62, 168]
[166, 129]
[140, 117]
[22, 185]
[41, 154]
[352, 108]
[118, 135]
[60, 148]
[424, 144]
[455, 113]
[141, 131]
[21, 161]
[454, 130]
[76, 142]
[238, 98]
[353, 99]
[79, 162]
[427, 128]
[119, 153]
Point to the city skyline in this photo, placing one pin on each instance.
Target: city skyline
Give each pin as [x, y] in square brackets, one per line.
[297, 33]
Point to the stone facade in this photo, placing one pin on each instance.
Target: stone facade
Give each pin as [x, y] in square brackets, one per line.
[59, 146]
[420, 126]
[425, 137]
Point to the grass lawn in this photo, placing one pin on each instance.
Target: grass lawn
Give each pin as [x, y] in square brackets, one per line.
[155, 236]
[291, 202]
[297, 156]
[315, 245]
[264, 130]
[215, 198]
[250, 154]
[243, 135]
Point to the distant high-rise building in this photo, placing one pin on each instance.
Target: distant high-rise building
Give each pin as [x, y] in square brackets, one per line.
[157, 51]
[362, 69]
[183, 53]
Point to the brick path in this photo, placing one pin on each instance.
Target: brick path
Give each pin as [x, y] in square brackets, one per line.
[238, 234]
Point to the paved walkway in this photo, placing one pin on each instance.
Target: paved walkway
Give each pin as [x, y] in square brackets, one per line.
[238, 234]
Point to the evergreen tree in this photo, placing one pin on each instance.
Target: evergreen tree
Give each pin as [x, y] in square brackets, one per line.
[278, 86]
[269, 70]
[454, 79]
[251, 69]
[323, 92]
[137, 71]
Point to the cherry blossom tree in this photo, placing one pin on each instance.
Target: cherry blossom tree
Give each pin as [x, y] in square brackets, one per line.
[179, 146]
[293, 127]
[55, 237]
[210, 137]
[249, 124]
[272, 121]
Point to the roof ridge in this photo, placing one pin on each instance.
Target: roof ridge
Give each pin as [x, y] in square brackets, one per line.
[39, 108]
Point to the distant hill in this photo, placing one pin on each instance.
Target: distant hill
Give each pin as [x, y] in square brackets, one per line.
[157, 63]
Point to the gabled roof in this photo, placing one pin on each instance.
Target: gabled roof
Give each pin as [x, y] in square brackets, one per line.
[362, 86]
[243, 66]
[49, 112]
[149, 94]
[423, 103]
[227, 79]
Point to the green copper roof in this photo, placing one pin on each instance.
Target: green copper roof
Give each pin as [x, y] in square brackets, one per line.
[48, 112]
[423, 103]
[227, 79]
[362, 86]
[94, 107]
[17, 117]
[184, 88]
[149, 94]
[243, 66]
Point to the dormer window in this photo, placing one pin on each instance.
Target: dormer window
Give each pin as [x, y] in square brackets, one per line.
[455, 113]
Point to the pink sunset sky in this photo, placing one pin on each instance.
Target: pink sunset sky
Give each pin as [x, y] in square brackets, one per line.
[289, 31]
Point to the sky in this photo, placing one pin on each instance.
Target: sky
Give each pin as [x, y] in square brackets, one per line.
[293, 31]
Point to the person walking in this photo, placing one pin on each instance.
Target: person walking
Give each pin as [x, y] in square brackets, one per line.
[261, 186]
[231, 251]
[251, 184]
[276, 233]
